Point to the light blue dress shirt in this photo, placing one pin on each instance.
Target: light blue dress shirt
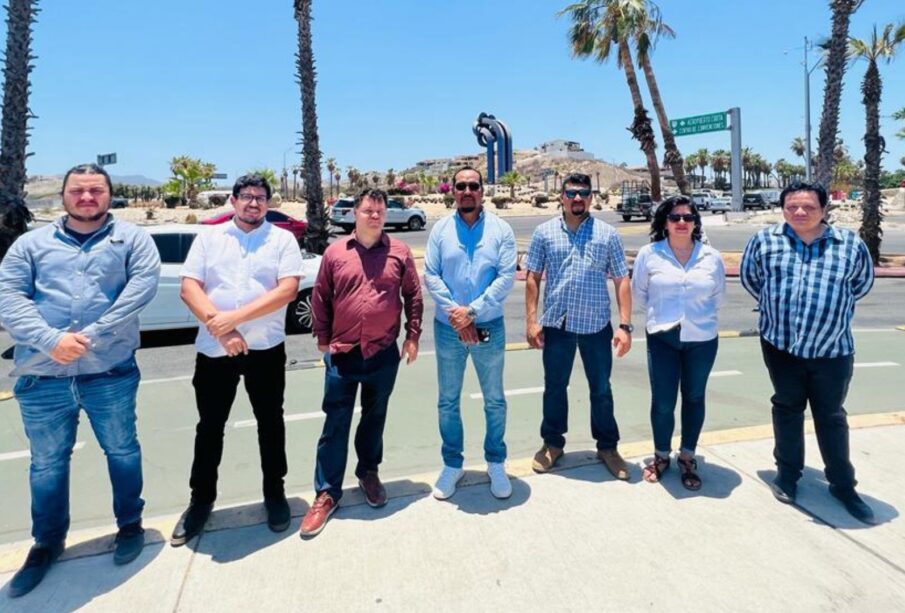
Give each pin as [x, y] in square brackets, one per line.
[50, 285]
[470, 266]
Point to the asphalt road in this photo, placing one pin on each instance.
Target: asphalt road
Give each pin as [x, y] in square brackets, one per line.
[738, 395]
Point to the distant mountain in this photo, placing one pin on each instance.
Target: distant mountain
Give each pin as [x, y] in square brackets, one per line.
[135, 180]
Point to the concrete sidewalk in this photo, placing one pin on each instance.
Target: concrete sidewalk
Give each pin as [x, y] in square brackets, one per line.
[572, 540]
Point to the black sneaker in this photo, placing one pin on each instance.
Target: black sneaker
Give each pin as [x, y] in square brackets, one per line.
[129, 542]
[278, 515]
[784, 491]
[36, 565]
[856, 507]
[191, 523]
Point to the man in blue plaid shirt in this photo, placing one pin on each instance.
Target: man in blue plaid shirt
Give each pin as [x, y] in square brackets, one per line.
[806, 276]
[578, 253]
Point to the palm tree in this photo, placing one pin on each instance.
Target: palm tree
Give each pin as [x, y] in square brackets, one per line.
[391, 178]
[331, 168]
[837, 47]
[318, 232]
[14, 215]
[877, 47]
[701, 158]
[798, 146]
[649, 28]
[719, 162]
[512, 179]
[598, 26]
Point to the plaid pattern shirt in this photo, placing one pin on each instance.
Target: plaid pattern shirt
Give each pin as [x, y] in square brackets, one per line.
[807, 293]
[577, 264]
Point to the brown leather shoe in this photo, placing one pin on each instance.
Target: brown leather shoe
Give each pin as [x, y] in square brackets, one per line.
[375, 493]
[546, 458]
[614, 463]
[317, 516]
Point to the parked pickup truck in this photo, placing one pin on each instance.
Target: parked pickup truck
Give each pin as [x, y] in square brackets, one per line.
[636, 206]
[702, 200]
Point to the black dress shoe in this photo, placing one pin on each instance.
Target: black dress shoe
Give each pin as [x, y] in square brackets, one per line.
[191, 523]
[856, 507]
[784, 491]
[36, 566]
[129, 542]
[278, 515]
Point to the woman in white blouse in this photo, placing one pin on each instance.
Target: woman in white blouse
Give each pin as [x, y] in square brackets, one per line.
[680, 283]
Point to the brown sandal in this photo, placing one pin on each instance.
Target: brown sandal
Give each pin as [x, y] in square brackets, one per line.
[652, 471]
[690, 478]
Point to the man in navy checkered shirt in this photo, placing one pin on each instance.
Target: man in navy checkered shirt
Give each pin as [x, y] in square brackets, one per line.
[578, 252]
[806, 276]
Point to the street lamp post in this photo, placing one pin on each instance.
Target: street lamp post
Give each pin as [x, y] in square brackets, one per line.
[807, 106]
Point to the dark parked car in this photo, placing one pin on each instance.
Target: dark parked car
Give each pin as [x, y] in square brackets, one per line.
[119, 203]
[756, 200]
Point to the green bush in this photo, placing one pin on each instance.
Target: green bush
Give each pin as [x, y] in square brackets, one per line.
[449, 201]
[172, 201]
[540, 200]
[216, 200]
[501, 202]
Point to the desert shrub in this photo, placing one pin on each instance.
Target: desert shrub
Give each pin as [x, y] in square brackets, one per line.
[501, 202]
[216, 200]
[190, 218]
[449, 201]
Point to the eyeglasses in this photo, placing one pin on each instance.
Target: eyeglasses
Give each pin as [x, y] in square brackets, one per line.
[247, 198]
[571, 193]
[687, 217]
[472, 185]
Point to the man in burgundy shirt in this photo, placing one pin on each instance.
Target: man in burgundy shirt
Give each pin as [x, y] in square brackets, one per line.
[357, 302]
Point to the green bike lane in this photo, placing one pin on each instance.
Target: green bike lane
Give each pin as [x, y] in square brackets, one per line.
[738, 395]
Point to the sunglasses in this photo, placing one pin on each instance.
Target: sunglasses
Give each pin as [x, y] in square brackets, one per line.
[571, 193]
[687, 217]
[472, 185]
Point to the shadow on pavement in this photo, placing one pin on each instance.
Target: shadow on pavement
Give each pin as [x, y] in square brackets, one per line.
[74, 584]
[815, 501]
[355, 507]
[478, 500]
[231, 546]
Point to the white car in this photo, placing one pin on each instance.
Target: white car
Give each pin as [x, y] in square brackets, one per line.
[723, 204]
[168, 312]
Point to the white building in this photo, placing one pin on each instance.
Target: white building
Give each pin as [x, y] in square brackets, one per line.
[564, 149]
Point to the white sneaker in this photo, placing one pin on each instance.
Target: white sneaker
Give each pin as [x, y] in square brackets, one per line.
[447, 481]
[499, 480]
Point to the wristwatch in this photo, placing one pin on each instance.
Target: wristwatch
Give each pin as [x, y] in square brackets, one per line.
[472, 313]
[627, 327]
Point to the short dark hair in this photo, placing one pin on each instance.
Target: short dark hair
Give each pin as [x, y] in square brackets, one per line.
[802, 186]
[251, 181]
[373, 194]
[658, 225]
[576, 178]
[463, 169]
[88, 169]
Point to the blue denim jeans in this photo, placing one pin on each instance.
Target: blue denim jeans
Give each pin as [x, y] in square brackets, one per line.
[487, 359]
[673, 365]
[597, 357]
[344, 372]
[50, 412]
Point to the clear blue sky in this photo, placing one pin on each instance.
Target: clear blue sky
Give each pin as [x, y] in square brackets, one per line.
[402, 80]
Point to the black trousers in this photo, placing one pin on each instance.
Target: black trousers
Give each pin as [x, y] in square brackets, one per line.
[822, 383]
[216, 381]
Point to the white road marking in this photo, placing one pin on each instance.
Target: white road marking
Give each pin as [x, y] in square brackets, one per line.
[18, 455]
[725, 373]
[251, 423]
[522, 391]
[165, 380]
[875, 364]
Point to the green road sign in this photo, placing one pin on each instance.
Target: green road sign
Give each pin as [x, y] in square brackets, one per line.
[711, 122]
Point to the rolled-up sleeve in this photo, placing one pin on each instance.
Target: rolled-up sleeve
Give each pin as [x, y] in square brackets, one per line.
[18, 312]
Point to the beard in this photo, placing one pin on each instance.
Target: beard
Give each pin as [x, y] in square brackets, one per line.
[579, 210]
[87, 218]
[467, 208]
[252, 222]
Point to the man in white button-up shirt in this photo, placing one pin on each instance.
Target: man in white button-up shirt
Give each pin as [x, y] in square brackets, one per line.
[237, 280]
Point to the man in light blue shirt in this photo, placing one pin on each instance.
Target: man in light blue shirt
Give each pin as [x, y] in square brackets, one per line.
[70, 296]
[469, 269]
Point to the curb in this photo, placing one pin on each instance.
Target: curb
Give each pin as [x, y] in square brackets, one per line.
[99, 541]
